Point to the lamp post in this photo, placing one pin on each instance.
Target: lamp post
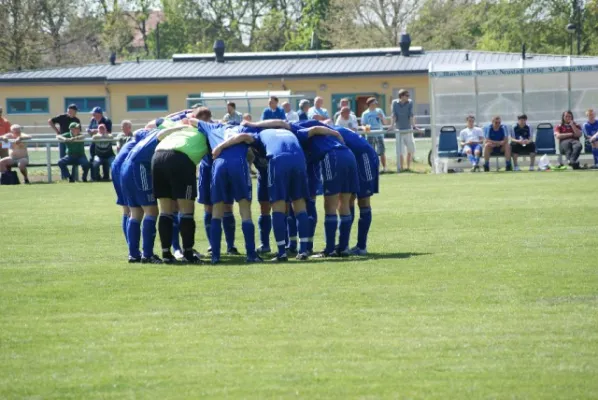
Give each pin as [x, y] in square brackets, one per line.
[575, 26]
[571, 29]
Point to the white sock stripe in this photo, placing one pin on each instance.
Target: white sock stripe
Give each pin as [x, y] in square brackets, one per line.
[281, 243]
[304, 240]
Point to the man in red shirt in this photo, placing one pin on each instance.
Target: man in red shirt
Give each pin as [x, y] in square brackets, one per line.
[568, 134]
[4, 129]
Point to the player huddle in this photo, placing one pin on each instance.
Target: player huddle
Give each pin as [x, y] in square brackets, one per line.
[157, 185]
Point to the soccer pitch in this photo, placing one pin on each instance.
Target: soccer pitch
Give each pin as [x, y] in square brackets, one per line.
[478, 286]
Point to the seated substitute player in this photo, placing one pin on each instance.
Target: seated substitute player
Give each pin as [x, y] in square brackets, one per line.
[497, 136]
[136, 184]
[173, 170]
[287, 181]
[568, 133]
[339, 171]
[204, 182]
[590, 130]
[522, 143]
[231, 181]
[471, 139]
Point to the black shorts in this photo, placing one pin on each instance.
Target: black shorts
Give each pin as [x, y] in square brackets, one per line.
[173, 176]
[517, 148]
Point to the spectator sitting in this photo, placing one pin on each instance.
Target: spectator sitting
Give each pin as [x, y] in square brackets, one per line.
[403, 119]
[75, 152]
[568, 134]
[273, 111]
[104, 154]
[4, 129]
[125, 136]
[343, 103]
[497, 136]
[471, 139]
[18, 157]
[317, 112]
[97, 119]
[590, 129]
[522, 142]
[64, 121]
[303, 110]
[291, 115]
[374, 118]
[347, 119]
[247, 117]
[232, 114]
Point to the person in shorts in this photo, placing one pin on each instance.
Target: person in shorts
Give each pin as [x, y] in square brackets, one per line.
[471, 139]
[18, 155]
[403, 119]
[522, 143]
[374, 118]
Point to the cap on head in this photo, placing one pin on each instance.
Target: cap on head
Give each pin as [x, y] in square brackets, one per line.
[74, 125]
[371, 100]
[73, 107]
[97, 110]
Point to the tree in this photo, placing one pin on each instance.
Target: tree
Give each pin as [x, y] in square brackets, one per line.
[20, 42]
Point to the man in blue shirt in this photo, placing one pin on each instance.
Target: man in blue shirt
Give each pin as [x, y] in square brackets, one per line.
[497, 137]
[317, 112]
[230, 182]
[374, 117]
[303, 110]
[522, 142]
[273, 111]
[590, 130]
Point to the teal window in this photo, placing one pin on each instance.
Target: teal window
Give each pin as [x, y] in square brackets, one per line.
[86, 104]
[191, 103]
[27, 106]
[147, 103]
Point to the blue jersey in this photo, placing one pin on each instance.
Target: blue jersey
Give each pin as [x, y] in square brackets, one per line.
[496, 136]
[590, 129]
[278, 113]
[126, 149]
[143, 152]
[218, 133]
[356, 143]
[317, 146]
[274, 142]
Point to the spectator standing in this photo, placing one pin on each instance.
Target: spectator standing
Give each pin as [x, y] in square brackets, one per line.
[568, 134]
[291, 115]
[97, 118]
[343, 103]
[75, 152]
[4, 129]
[497, 136]
[403, 119]
[232, 114]
[104, 154]
[590, 129]
[374, 118]
[273, 111]
[522, 143]
[303, 110]
[64, 121]
[317, 112]
[471, 139]
[125, 136]
[347, 119]
[18, 156]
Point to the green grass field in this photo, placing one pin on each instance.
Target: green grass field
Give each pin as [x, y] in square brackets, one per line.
[478, 286]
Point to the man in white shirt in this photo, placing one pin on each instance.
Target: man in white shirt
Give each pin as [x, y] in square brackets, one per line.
[471, 139]
[291, 115]
[347, 119]
[318, 112]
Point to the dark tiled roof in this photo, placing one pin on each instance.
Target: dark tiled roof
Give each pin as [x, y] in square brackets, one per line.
[267, 65]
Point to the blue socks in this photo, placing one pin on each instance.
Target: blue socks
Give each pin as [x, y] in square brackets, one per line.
[487, 164]
[292, 230]
[344, 232]
[508, 164]
[312, 214]
[330, 226]
[228, 224]
[476, 159]
[148, 231]
[303, 229]
[134, 236]
[207, 220]
[176, 230]
[216, 238]
[471, 159]
[249, 235]
[279, 222]
[363, 227]
[595, 154]
[264, 223]
[125, 222]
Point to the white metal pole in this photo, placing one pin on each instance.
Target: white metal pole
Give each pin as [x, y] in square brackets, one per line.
[433, 130]
[49, 162]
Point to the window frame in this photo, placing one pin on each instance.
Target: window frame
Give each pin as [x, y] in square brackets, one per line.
[28, 101]
[83, 107]
[147, 102]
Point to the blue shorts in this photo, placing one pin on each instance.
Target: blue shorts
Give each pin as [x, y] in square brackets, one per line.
[287, 178]
[115, 173]
[136, 185]
[262, 186]
[367, 168]
[339, 170]
[474, 147]
[314, 180]
[204, 179]
[231, 181]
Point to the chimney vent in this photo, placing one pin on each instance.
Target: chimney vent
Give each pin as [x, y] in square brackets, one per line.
[405, 44]
[219, 48]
